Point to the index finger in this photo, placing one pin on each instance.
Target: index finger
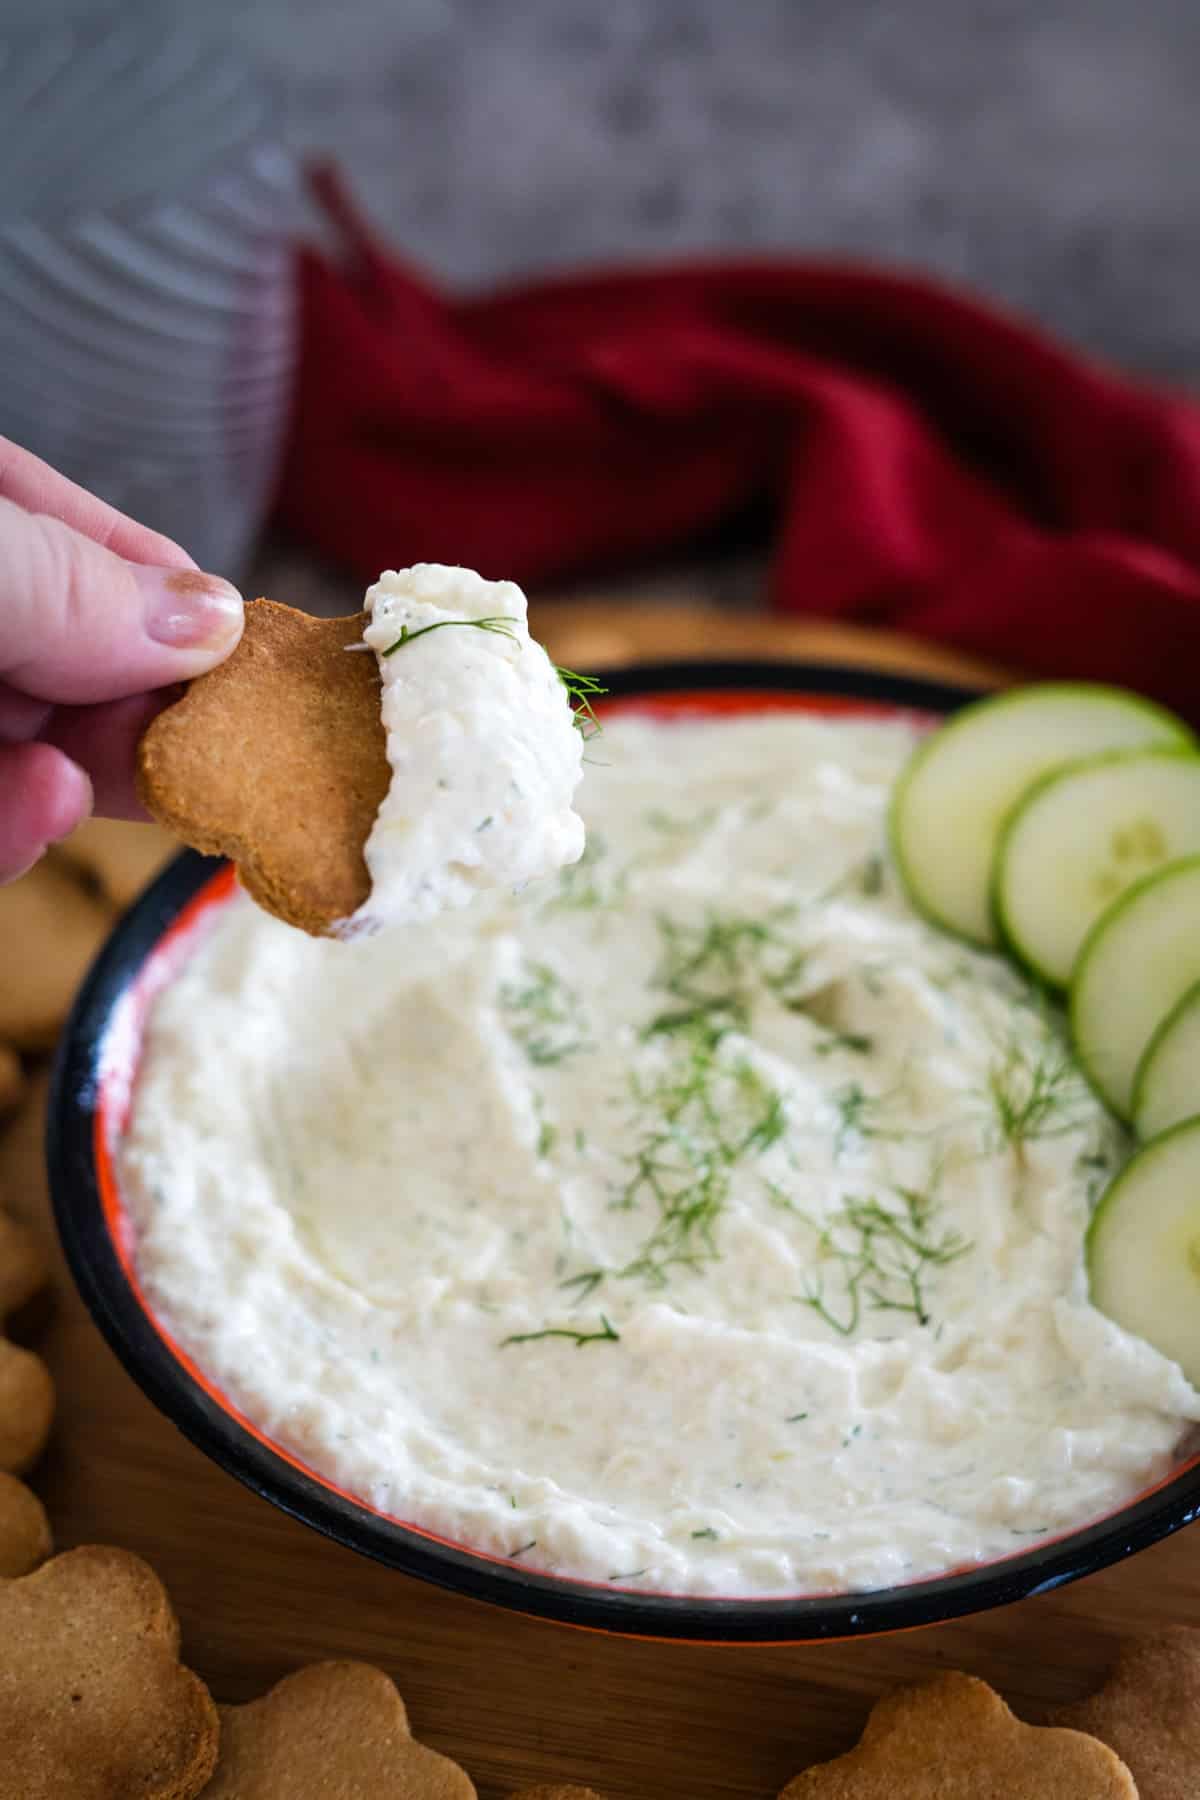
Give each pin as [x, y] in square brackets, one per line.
[35, 486]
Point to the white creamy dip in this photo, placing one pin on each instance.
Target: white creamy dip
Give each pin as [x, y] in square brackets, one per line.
[698, 1220]
[482, 744]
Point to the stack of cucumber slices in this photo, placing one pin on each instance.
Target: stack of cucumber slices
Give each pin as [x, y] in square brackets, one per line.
[1062, 823]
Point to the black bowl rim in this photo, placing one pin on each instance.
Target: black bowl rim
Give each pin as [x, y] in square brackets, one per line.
[129, 1331]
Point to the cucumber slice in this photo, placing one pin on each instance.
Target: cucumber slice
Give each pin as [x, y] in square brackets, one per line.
[952, 799]
[1080, 837]
[1143, 1247]
[1136, 963]
[1166, 1088]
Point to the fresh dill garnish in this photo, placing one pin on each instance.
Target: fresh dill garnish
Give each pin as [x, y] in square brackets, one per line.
[795, 1418]
[845, 1040]
[870, 880]
[501, 624]
[485, 824]
[854, 1107]
[543, 1015]
[582, 690]
[1034, 1092]
[708, 1532]
[512, 1501]
[607, 1334]
[580, 1139]
[587, 1283]
[629, 1575]
[547, 1137]
[883, 1256]
[520, 1551]
[705, 1111]
[719, 963]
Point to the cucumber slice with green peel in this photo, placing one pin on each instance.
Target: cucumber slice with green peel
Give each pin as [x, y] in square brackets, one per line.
[1143, 1247]
[953, 798]
[1166, 1088]
[1137, 962]
[1081, 836]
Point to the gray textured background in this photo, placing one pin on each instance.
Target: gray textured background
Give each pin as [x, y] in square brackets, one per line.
[1045, 151]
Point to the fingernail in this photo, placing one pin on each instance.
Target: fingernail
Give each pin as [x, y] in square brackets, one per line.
[188, 610]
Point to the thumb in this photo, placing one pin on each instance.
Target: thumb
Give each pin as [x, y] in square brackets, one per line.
[79, 624]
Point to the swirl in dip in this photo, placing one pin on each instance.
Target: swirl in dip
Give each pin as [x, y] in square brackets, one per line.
[698, 1218]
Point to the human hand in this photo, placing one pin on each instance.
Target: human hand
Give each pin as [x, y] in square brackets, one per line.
[99, 619]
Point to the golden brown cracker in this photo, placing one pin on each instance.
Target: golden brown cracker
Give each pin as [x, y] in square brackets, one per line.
[277, 759]
[119, 856]
[24, 1529]
[50, 929]
[955, 1739]
[26, 1390]
[1148, 1711]
[333, 1731]
[12, 1080]
[94, 1702]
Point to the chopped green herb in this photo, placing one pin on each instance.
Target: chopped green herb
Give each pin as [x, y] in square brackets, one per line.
[795, 1418]
[1035, 1092]
[587, 1283]
[883, 1256]
[484, 823]
[581, 691]
[606, 1335]
[543, 1015]
[704, 1113]
[500, 624]
[708, 1532]
[547, 1138]
[845, 1040]
[520, 1551]
[629, 1575]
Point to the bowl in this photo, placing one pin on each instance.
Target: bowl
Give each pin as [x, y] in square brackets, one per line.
[93, 1078]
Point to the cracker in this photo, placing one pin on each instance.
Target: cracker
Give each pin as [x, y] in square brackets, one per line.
[26, 1390]
[333, 1731]
[278, 760]
[955, 1739]
[24, 1529]
[1148, 1711]
[119, 856]
[94, 1702]
[50, 929]
[12, 1080]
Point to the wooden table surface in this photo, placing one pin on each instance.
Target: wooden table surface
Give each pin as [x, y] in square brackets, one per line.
[512, 1699]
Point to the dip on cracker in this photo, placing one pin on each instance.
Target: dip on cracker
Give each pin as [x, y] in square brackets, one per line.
[356, 792]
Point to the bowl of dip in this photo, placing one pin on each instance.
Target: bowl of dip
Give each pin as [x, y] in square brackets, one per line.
[670, 1248]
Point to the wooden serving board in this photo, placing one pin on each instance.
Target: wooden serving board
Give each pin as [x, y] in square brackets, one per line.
[515, 1700]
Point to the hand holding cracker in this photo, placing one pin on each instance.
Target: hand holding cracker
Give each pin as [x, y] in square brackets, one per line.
[94, 1702]
[99, 615]
[1148, 1711]
[954, 1739]
[333, 1731]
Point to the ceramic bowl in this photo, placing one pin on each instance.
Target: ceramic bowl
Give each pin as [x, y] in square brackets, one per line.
[96, 1067]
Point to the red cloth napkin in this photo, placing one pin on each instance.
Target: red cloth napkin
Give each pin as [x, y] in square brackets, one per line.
[935, 466]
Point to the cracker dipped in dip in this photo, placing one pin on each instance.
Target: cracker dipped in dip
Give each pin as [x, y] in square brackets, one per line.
[697, 1218]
